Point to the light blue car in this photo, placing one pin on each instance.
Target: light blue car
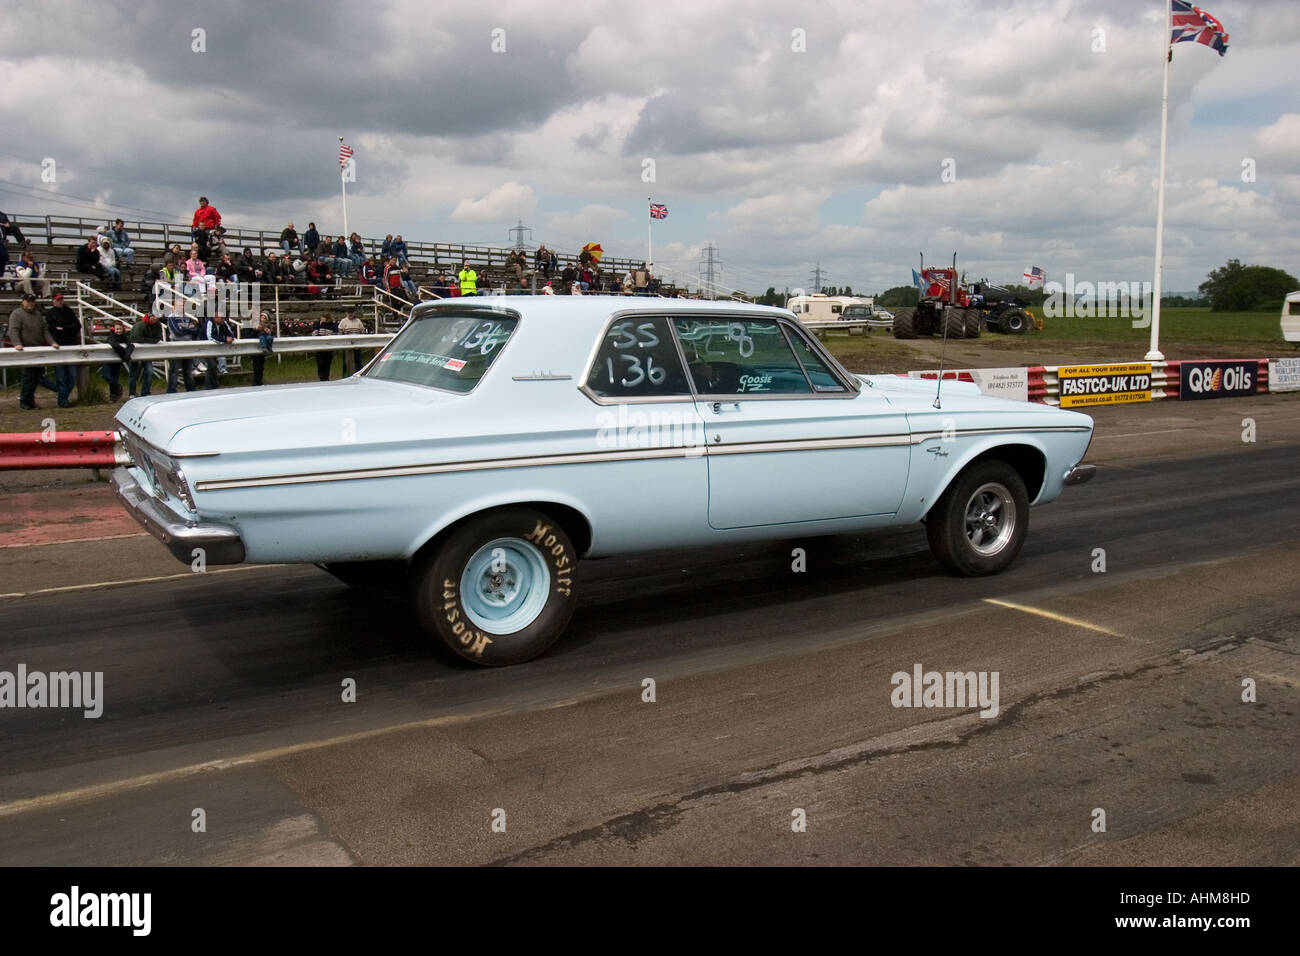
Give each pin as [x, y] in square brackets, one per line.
[496, 441]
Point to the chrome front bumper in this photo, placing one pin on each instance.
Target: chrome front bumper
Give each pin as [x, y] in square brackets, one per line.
[220, 543]
[1080, 474]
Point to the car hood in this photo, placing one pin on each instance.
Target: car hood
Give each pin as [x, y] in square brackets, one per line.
[245, 419]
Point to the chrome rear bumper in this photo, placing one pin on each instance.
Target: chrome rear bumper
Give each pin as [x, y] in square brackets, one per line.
[220, 543]
[1080, 474]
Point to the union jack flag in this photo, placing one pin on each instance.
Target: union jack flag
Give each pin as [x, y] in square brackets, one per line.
[345, 153]
[658, 211]
[1034, 275]
[1192, 24]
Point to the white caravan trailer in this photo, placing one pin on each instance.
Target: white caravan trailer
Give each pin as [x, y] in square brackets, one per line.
[824, 308]
[1291, 318]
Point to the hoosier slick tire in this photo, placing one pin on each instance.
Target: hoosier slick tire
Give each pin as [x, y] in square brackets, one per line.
[978, 525]
[501, 588]
[903, 328]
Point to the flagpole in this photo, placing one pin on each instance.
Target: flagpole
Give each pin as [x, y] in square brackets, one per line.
[649, 238]
[343, 182]
[1155, 355]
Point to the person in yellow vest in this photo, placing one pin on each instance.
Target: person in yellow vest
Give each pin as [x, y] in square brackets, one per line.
[468, 280]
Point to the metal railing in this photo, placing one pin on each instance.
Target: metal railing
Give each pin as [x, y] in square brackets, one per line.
[43, 355]
[157, 235]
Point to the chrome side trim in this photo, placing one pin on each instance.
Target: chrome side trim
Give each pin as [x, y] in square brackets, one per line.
[918, 437]
[585, 458]
[490, 464]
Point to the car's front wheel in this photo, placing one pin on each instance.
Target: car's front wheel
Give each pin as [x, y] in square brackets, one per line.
[501, 587]
[978, 525]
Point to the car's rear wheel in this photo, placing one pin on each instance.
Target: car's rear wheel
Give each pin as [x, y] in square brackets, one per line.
[978, 525]
[500, 589]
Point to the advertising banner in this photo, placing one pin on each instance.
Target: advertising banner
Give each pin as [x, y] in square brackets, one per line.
[1088, 385]
[1284, 375]
[1218, 379]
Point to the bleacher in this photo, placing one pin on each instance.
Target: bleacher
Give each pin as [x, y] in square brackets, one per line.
[54, 242]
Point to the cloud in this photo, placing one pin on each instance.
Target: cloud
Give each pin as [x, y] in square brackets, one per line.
[507, 201]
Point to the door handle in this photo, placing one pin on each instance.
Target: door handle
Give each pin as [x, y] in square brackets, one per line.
[720, 407]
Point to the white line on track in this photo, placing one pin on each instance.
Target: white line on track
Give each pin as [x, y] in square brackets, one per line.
[105, 537]
[114, 584]
[1052, 616]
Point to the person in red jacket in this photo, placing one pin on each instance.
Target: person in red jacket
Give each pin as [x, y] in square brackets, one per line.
[206, 217]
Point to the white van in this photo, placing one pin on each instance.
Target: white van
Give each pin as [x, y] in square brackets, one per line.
[1291, 318]
[824, 308]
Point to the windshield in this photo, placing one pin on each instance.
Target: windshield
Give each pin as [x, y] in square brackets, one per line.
[447, 350]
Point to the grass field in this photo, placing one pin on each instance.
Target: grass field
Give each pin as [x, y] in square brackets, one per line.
[1177, 327]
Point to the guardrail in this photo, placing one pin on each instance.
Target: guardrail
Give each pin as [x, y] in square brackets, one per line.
[42, 355]
[58, 449]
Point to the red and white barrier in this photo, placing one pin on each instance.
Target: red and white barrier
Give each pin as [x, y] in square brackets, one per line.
[61, 449]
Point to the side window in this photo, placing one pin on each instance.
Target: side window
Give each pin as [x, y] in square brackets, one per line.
[637, 359]
[820, 376]
[836, 309]
[740, 357]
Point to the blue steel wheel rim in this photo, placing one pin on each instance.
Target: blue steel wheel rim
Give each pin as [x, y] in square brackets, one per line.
[505, 585]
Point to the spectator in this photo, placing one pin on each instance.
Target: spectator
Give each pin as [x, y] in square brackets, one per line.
[542, 260]
[518, 263]
[108, 263]
[369, 273]
[408, 283]
[177, 253]
[216, 245]
[181, 327]
[289, 239]
[122, 243]
[88, 259]
[351, 325]
[27, 328]
[442, 286]
[226, 271]
[149, 287]
[399, 249]
[265, 338]
[343, 263]
[356, 249]
[546, 289]
[641, 280]
[217, 329]
[206, 218]
[29, 275]
[148, 331]
[247, 267]
[319, 275]
[273, 270]
[567, 279]
[386, 250]
[298, 275]
[111, 372]
[8, 228]
[65, 329]
[324, 326]
[585, 276]
[629, 283]
[468, 280]
[310, 238]
[393, 278]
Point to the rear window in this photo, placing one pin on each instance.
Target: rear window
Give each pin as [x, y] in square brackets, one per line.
[451, 351]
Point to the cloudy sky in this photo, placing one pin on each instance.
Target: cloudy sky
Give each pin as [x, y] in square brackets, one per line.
[787, 134]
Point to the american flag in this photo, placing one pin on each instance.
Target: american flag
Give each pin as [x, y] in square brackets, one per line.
[658, 211]
[1034, 275]
[1192, 24]
[345, 153]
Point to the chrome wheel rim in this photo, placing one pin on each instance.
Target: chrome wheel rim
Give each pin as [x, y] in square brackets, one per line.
[990, 518]
[505, 585]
